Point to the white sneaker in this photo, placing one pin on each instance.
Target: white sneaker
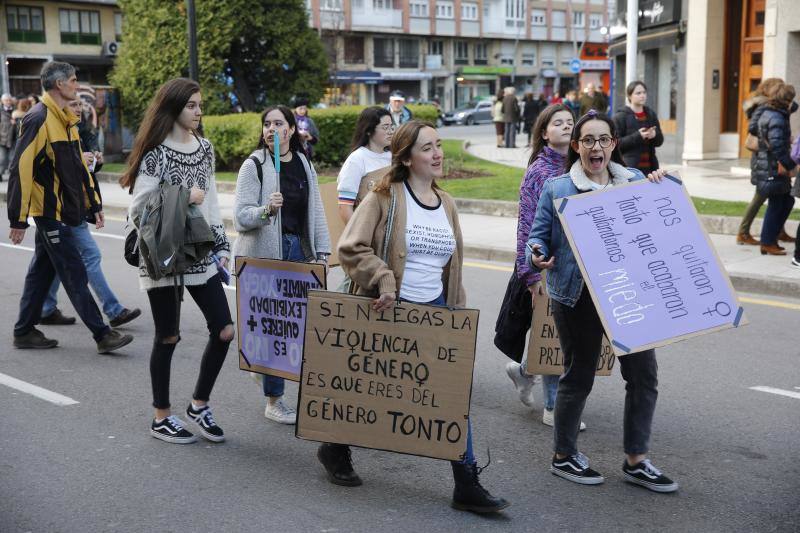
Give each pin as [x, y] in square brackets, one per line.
[257, 378]
[523, 384]
[280, 412]
[547, 419]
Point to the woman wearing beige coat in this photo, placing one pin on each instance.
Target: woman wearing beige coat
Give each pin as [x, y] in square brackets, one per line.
[419, 262]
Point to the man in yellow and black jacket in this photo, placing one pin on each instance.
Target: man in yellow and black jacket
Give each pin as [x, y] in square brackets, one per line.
[51, 183]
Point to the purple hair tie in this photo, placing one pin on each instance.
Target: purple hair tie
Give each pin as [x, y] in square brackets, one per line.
[592, 113]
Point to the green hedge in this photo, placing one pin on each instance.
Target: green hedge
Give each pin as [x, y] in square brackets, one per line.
[236, 136]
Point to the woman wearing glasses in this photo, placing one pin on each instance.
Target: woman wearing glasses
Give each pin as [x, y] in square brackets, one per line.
[303, 232]
[370, 155]
[593, 163]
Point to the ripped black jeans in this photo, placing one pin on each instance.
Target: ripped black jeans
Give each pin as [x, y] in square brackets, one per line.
[165, 305]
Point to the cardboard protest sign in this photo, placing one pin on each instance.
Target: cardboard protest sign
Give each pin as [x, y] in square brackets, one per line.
[397, 380]
[650, 267]
[271, 300]
[330, 203]
[544, 348]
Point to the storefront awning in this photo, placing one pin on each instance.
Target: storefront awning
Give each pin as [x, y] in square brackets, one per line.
[357, 76]
[648, 40]
[406, 76]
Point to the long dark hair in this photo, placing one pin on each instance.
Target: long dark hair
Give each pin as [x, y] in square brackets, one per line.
[368, 120]
[295, 144]
[161, 114]
[403, 141]
[573, 155]
[540, 126]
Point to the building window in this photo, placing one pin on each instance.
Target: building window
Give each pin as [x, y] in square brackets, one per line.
[507, 60]
[538, 17]
[384, 52]
[353, 50]
[381, 5]
[419, 8]
[436, 48]
[595, 20]
[558, 19]
[481, 57]
[461, 54]
[515, 13]
[548, 62]
[469, 11]
[330, 5]
[444, 9]
[577, 19]
[409, 53]
[79, 27]
[118, 26]
[25, 24]
[528, 59]
[329, 44]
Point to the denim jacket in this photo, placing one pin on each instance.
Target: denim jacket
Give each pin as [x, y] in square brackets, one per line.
[564, 280]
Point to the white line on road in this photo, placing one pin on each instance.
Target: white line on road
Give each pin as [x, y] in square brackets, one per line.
[34, 390]
[17, 247]
[108, 235]
[780, 392]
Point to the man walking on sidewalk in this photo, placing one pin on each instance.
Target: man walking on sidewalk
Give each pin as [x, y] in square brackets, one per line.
[51, 183]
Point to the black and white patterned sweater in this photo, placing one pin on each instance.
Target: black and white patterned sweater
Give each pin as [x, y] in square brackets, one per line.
[188, 165]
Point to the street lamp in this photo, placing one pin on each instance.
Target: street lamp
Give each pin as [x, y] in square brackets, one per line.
[191, 28]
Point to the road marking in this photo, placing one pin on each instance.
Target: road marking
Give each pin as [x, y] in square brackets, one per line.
[487, 266]
[108, 235]
[34, 390]
[780, 392]
[17, 247]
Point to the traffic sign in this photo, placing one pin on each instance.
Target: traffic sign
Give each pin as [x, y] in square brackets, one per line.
[575, 65]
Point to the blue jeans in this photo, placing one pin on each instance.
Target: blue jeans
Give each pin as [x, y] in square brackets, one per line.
[56, 253]
[292, 251]
[778, 210]
[90, 253]
[549, 386]
[469, 454]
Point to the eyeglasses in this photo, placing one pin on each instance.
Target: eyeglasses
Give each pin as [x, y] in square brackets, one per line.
[589, 142]
[386, 127]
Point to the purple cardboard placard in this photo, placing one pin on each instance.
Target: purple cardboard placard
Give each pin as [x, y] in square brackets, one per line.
[652, 272]
[271, 301]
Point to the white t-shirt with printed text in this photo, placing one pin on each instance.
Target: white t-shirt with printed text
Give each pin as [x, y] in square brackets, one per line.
[430, 243]
[357, 165]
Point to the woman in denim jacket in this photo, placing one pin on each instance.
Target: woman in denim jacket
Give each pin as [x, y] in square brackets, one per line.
[594, 163]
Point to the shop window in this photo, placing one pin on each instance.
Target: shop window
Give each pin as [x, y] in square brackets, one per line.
[25, 24]
[461, 53]
[353, 50]
[409, 53]
[79, 26]
[384, 52]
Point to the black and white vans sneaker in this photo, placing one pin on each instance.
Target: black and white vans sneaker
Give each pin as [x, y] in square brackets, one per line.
[205, 421]
[648, 476]
[171, 430]
[575, 468]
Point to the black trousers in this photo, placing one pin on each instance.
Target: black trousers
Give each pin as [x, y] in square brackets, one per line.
[165, 304]
[56, 252]
[581, 334]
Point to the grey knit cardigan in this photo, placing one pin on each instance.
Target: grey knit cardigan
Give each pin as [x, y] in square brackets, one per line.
[260, 237]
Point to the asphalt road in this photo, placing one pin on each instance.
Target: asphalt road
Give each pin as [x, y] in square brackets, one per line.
[93, 467]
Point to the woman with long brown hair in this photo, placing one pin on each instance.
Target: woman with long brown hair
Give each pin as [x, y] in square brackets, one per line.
[411, 269]
[168, 149]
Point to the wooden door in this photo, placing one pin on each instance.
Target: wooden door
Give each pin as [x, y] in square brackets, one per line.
[752, 59]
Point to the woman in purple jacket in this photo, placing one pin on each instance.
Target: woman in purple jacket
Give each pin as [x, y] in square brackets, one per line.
[551, 135]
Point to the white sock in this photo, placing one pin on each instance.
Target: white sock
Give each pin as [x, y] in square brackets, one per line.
[196, 407]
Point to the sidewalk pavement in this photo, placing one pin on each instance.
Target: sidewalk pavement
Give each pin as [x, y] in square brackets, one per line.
[493, 238]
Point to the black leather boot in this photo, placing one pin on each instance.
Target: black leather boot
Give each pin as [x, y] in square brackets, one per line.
[338, 463]
[469, 495]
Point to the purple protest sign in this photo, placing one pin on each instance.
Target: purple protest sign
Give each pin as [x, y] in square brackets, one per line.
[650, 267]
[271, 301]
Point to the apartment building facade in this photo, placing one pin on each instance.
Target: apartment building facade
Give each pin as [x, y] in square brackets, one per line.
[458, 50]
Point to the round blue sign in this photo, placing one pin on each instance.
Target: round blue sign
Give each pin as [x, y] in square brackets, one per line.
[575, 65]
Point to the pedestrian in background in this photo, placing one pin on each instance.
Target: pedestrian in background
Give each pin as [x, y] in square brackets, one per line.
[593, 99]
[530, 112]
[771, 165]
[48, 165]
[593, 164]
[571, 101]
[427, 272]
[117, 314]
[369, 155]
[306, 128]
[303, 231]
[510, 117]
[497, 118]
[397, 107]
[551, 137]
[8, 133]
[168, 149]
[758, 99]
[639, 130]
